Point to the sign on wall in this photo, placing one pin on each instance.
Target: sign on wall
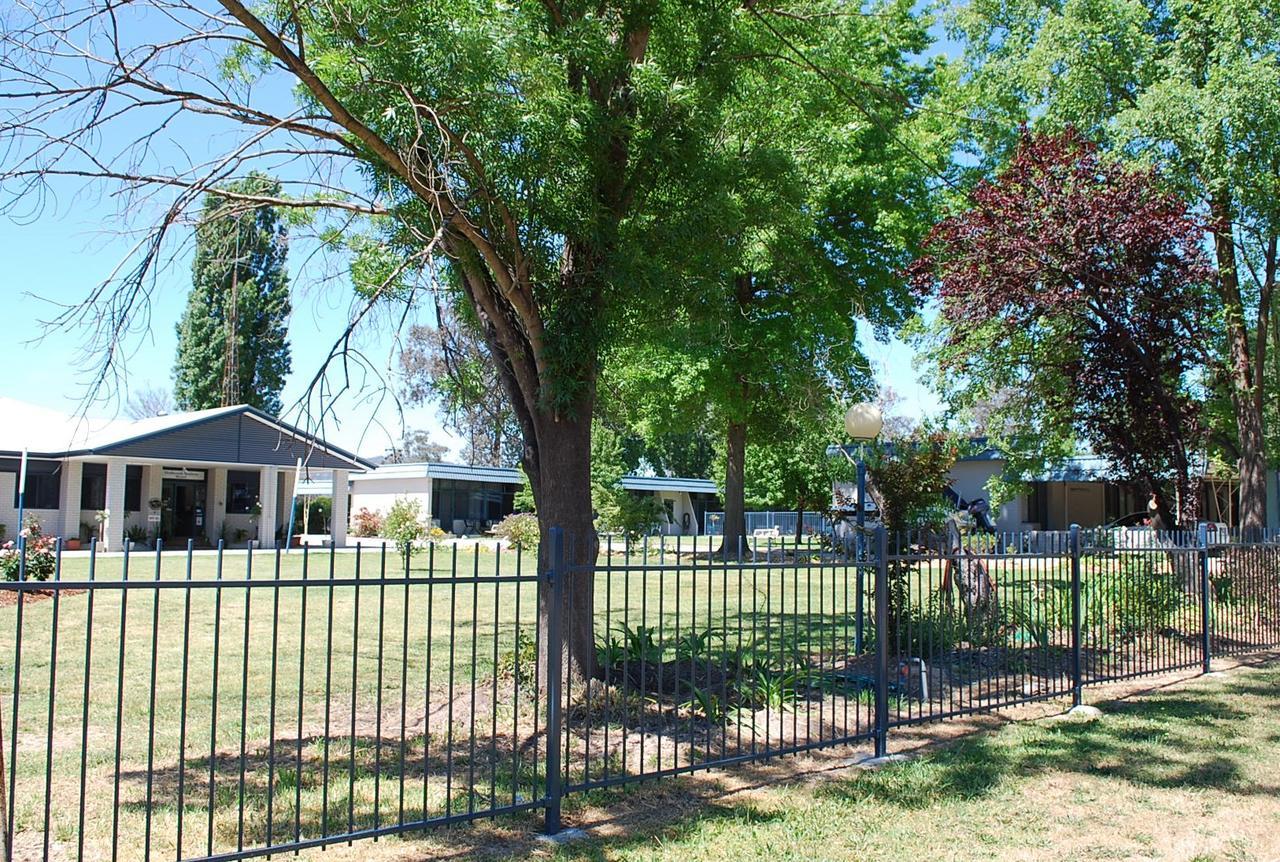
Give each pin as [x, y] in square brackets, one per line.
[182, 473]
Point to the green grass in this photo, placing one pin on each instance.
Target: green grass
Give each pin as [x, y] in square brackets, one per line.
[349, 670]
[1187, 772]
[345, 675]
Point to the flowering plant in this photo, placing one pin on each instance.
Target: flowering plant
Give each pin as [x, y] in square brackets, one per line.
[41, 555]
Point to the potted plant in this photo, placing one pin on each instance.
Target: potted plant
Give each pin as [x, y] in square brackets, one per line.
[100, 518]
[137, 535]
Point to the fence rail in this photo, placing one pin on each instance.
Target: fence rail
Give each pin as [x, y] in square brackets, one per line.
[230, 705]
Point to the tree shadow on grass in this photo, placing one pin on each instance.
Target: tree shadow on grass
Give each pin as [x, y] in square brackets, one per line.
[1174, 738]
[1182, 739]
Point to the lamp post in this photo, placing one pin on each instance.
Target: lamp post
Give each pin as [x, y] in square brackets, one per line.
[862, 423]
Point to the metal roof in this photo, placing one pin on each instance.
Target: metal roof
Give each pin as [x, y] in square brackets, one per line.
[669, 483]
[499, 475]
[49, 433]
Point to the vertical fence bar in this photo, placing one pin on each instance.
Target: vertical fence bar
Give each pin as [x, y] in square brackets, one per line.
[1077, 677]
[1206, 612]
[554, 580]
[882, 642]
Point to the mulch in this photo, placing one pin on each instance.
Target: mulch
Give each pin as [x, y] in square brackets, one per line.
[9, 598]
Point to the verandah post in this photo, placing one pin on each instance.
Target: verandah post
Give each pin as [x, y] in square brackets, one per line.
[554, 579]
[1077, 678]
[1206, 611]
[882, 642]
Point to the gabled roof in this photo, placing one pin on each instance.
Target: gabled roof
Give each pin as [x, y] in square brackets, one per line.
[48, 433]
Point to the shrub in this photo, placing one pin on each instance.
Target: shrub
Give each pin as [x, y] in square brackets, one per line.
[519, 529]
[366, 524]
[41, 555]
[1135, 598]
[631, 515]
[404, 525]
[1249, 576]
[521, 663]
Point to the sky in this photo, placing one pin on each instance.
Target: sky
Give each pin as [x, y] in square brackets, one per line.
[56, 254]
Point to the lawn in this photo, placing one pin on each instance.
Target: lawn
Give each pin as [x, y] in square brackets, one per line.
[1187, 772]
[300, 704]
[295, 701]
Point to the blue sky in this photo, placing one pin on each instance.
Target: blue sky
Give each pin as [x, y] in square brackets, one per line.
[56, 256]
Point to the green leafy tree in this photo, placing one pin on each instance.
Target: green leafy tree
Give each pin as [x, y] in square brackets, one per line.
[562, 167]
[233, 338]
[822, 200]
[1190, 86]
[796, 470]
[617, 510]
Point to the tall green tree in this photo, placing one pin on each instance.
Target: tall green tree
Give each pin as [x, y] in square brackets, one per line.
[233, 337]
[1191, 86]
[820, 202]
[558, 162]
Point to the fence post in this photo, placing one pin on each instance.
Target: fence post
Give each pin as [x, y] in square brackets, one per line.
[882, 642]
[1206, 612]
[554, 580]
[860, 544]
[1077, 676]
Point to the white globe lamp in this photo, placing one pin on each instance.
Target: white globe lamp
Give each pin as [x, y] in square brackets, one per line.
[863, 422]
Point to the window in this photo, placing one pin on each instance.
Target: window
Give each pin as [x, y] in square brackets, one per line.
[93, 486]
[242, 491]
[133, 488]
[42, 491]
[1036, 505]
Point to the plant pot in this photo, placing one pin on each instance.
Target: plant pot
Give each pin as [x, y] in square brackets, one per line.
[71, 545]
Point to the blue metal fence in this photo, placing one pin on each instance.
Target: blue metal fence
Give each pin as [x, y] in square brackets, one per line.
[227, 705]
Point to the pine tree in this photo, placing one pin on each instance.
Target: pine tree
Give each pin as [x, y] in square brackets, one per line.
[233, 345]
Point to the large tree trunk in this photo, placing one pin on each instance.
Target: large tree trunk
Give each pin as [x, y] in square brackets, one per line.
[562, 491]
[1246, 394]
[735, 462]
[735, 516]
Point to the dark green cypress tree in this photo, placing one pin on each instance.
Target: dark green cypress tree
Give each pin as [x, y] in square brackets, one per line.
[236, 352]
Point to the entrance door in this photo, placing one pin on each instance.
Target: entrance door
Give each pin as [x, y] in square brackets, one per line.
[184, 508]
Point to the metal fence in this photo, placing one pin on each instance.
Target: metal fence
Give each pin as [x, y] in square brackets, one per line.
[190, 705]
[815, 523]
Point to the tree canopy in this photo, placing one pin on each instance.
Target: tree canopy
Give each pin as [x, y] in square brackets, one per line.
[233, 338]
[1076, 287]
[562, 167]
[1189, 86]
